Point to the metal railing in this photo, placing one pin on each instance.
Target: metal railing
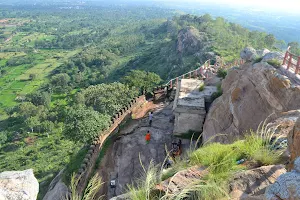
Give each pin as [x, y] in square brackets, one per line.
[292, 61]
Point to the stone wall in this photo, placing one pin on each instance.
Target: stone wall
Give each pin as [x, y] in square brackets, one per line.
[86, 168]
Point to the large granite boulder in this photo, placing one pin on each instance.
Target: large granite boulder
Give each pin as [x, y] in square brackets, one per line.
[273, 55]
[18, 185]
[182, 180]
[287, 186]
[294, 143]
[248, 54]
[262, 52]
[57, 189]
[191, 41]
[251, 93]
[251, 184]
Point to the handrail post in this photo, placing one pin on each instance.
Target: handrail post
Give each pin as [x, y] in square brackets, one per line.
[289, 62]
[285, 57]
[298, 66]
[171, 85]
[182, 76]
[177, 82]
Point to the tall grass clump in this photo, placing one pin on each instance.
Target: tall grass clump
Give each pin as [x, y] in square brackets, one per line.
[90, 191]
[142, 189]
[261, 145]
[221, 160]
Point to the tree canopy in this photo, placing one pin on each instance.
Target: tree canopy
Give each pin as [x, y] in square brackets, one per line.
[145, 81]
[84, 124]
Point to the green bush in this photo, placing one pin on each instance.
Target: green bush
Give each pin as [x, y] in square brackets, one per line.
[274, 62]
[218, 93]
[222, 73]
[202, 87]
[257, 60]
[74, 164]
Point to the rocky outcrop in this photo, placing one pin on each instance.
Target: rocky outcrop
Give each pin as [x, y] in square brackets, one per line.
[18, 185]
[272, 56]
[252, 183]
[248, 54]
[251, 93]
[182, 180]
[262, 52]
[122, 197]
[57, 189]
[294, 143]
[190, 41]
[287, 186]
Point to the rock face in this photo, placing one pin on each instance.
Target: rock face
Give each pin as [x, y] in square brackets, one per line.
[57, 189]
[181, 180]
[18, 185]
[190, 41]
[287, 186]
[273, 55]
[123, 160]
[248, 54]
[252, 183]
[250, 94]
[294, 143]
[262, 52]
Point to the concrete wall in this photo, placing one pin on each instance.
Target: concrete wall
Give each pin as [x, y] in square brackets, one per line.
[189, 106]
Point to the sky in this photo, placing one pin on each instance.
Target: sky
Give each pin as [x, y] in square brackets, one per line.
[283, 5]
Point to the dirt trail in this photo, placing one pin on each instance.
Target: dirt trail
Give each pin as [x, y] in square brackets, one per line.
[122, 163]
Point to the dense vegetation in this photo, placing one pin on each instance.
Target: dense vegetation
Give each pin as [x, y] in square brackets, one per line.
[61, 82]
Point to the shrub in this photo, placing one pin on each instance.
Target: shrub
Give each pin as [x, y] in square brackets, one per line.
[222, 73]
[274, 62]
[257, 60]
[3, 137]
[202, 86]
[74, 164]
[32, 77]
[218, 93]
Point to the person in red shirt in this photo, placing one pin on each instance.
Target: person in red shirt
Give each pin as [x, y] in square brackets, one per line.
[148, 137]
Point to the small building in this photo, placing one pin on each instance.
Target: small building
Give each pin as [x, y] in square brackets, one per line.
[189, 106]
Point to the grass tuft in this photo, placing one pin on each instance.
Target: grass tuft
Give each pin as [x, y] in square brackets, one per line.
[90, 192]
[275, 63]
[202, 87]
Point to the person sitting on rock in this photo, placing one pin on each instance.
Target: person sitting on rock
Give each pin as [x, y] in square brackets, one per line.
[148, 137]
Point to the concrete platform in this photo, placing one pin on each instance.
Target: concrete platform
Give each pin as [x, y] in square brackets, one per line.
[189, 106]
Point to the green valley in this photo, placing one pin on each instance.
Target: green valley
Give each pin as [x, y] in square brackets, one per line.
[65, 72]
